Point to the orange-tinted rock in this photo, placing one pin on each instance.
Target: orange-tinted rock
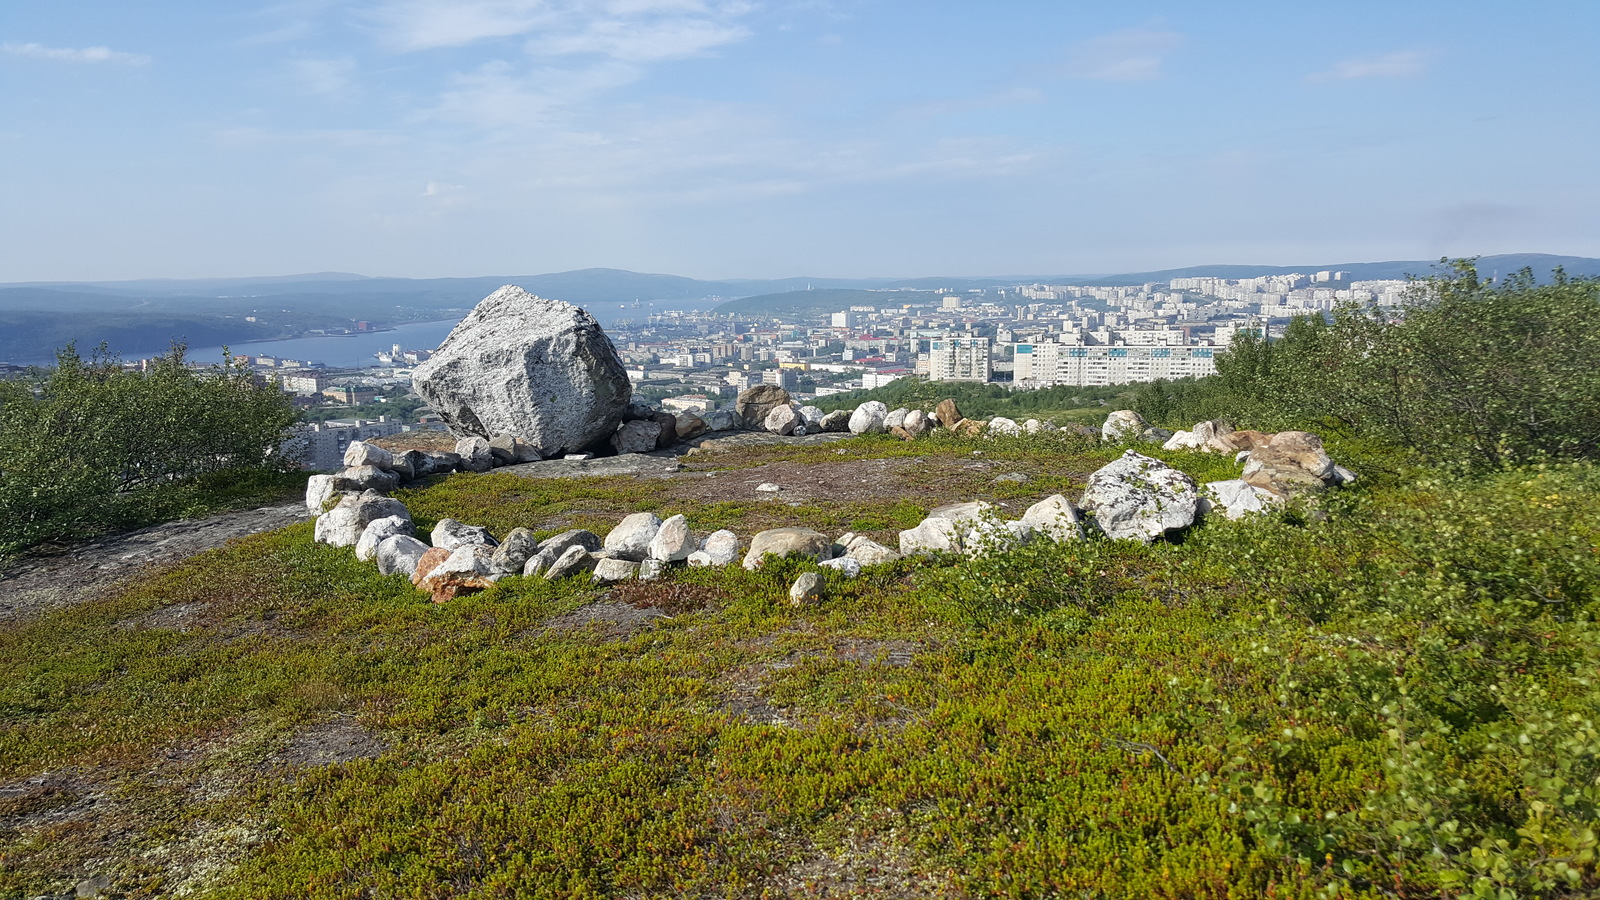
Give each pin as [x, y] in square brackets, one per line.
[946, 413]
[900, 432]
[428, 563]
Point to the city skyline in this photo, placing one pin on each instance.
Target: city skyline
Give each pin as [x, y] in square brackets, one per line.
[417, 138]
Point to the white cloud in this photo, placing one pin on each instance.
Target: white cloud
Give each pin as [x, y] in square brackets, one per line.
[1399, 64]
[626, 29]
[75, 54]
[1132, 55]
[331, 78]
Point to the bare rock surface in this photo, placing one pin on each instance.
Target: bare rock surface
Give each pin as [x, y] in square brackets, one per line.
[658, 463]
[1137, 497]
[524, 365]
[44, 581]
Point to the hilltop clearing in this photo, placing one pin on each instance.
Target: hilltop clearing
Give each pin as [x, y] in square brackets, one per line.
[1389, 695]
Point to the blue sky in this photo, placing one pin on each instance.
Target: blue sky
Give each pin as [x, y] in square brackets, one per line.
[767, 138]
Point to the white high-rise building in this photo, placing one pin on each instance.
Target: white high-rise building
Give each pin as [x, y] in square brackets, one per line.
[1050, 363]
[959, 359]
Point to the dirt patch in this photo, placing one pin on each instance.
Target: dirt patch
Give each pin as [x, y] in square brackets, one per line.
[741, 691]
[431, 441]
[339, 740]
[44, 581]
[612, 618]
[921, 480]
[864, 866]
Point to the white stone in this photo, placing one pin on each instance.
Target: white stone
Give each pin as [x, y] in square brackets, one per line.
[969, 513]
[868, 418]
[867, 551]
[1239, 498]
[787, 542]
[806, 590]
[917, 423]
[672, 541]
[720, 548]
[1122, 425]
[783, 419]
[767, 487]
[1136, 497]
[377, 531]
[1056, 518]
[400, 553]
[1004, 426]
[1184, 440]
[451, 534]
[895, 418]
[933, 535]
[320, 491]
[812, 417]
[632, 536]
[342, 525]
[361, 453]
[846, 566]
[610, 571]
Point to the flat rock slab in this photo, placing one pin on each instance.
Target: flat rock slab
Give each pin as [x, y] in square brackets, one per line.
[723, 440]
[659, 464]
[39, 583]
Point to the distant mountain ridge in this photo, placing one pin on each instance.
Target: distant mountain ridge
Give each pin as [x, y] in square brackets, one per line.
[138, 317]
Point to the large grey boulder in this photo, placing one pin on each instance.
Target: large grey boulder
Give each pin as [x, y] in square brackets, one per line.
[754, 403]
[342, 526]
[811, 417]
[573, 561]
[690, 426]
[787, 542]
[1136, 497]
[539, 369]
[379, 530]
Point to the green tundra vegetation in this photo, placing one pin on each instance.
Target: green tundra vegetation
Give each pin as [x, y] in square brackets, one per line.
[1389, 694]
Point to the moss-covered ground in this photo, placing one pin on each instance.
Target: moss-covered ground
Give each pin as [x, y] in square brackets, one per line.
[1392, 696]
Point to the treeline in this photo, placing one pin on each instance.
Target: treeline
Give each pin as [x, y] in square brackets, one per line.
[1471, 373]
[99, 448]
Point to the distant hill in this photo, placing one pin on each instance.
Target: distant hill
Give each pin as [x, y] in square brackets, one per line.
[1540, 263]
[822, 302]
[144, 316]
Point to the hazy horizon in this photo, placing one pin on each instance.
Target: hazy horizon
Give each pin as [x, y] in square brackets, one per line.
[726, 139]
